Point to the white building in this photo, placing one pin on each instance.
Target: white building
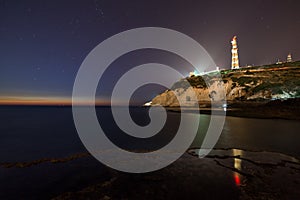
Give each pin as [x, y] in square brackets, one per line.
[235, 56]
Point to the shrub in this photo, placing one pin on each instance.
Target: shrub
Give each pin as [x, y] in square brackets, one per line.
[244, 80]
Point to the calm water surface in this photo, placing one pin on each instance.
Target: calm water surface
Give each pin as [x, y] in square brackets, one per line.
[30, 133]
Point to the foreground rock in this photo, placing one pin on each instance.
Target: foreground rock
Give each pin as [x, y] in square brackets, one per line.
[223, 174]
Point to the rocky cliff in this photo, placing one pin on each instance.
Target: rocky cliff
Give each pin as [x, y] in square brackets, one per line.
[252, 83]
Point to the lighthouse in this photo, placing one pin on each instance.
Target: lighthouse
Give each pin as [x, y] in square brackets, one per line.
[289, 58]
[235, 56]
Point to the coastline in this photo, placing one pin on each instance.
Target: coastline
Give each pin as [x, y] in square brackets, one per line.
[278, 109]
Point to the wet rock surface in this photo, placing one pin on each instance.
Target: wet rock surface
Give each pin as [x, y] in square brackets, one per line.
[260, 174]
[223, 174]
[187, 178]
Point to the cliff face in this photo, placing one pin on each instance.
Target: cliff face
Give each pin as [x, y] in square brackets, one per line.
[253, 83]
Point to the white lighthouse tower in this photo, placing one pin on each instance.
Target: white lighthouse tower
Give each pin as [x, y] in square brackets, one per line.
[235, 56]
[289, 58]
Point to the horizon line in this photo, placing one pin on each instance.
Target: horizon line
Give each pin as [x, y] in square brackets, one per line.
[54, 101]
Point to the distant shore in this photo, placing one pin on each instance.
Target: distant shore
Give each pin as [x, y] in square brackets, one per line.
[276, 109]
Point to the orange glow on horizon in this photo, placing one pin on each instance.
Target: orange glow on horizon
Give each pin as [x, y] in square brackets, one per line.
[51, 101]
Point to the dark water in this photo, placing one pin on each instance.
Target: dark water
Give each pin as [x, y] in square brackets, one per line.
[274, 135]
[31, 133]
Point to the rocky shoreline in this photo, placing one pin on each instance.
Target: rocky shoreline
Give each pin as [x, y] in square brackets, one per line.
[254, 87]
[230, 173]
[277, 109]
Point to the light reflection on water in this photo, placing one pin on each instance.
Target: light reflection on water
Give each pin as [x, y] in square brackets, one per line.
[237, 165]
[235, 159]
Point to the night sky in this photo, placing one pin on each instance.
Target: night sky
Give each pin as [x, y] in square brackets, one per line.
[43, 43]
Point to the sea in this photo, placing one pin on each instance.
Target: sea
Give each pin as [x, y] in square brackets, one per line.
[35, 134]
